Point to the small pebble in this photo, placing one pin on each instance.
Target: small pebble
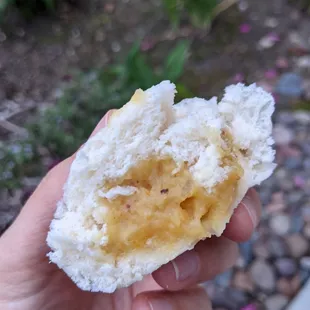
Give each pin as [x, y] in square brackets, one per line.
[305, 211]
[284, 287]
[276, 302]
[246, 251]
[292, 163]
[280, 224]
[290, 85]
[295, 284]
[243, 281]
[2, 36]
[277, 247]
[297, 244]
[302, 117]
[271, 22]
[303, 62]
[282, 63]
[297, 223]
[295, 197]
[224, 279]
[238, 78]
[282, 135]
[306, 230]
[271, 74]
[263, 275]
[260, 250]
[286, 267]
[305, 262]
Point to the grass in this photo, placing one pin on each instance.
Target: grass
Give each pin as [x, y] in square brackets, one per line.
[199, 12]
[62, 128]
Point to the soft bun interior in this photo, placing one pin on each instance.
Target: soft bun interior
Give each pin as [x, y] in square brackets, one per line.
[157, 180]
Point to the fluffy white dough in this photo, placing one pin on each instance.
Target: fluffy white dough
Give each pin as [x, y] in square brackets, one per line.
[151, 126]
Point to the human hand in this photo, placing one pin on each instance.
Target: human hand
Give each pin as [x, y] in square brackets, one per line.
[29, 282]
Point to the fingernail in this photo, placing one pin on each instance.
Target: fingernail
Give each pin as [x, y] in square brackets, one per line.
[186, 265]
[160, 304]
[249, 205]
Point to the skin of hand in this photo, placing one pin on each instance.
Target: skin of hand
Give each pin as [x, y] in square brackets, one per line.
[29, 282]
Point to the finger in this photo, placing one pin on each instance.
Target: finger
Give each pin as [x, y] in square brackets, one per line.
[38, 211]
[245, 218]
[204, 262]
[182, 300]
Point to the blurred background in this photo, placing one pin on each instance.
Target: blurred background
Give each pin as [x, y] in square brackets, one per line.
[63, 64]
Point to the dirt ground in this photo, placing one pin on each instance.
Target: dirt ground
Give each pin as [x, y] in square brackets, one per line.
[254, 41]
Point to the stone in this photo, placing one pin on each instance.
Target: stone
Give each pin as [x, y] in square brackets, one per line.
[268, 41]
[276, 302]
[280, 224]
[286, 267]
[282, 63]
[297, 223]
[299, 181]
[284, 117]
[305, 263]
[295, 284]
[271, 22]
[303, 62]
[306, 164]
[306, 148]
[263, 275]
[298, 245]
[224, 279]
[284, 287]
[290, 85]
[306, 231]
[277, 247]
[246, 251]
[282, 135]
[302, 117]
[237, 297]
[305, 211]
[294, 198]
[292, 163]
[243, 281]
[260, 250]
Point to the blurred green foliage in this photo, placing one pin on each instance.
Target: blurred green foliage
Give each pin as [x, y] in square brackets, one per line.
[18, 159]
[200, 12]
[303, 5]
[62, 128]
[28, 8]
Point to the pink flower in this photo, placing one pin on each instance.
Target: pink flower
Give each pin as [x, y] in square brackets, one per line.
[274, 37]
[249, 307]
[271, 74]
[245, 28]
[299, 181]
[238, 78]
[147, 44]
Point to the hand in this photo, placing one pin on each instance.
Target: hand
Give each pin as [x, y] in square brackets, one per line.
[29, 282]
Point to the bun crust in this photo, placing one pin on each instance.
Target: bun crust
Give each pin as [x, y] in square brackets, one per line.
[201, 149]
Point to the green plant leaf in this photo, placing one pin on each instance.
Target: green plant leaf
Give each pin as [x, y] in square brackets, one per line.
[175, 62]
[174, 9]
[4, 5]
[138, 71]
[50, 4]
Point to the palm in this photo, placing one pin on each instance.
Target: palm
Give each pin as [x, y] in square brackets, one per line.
[44, 286]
